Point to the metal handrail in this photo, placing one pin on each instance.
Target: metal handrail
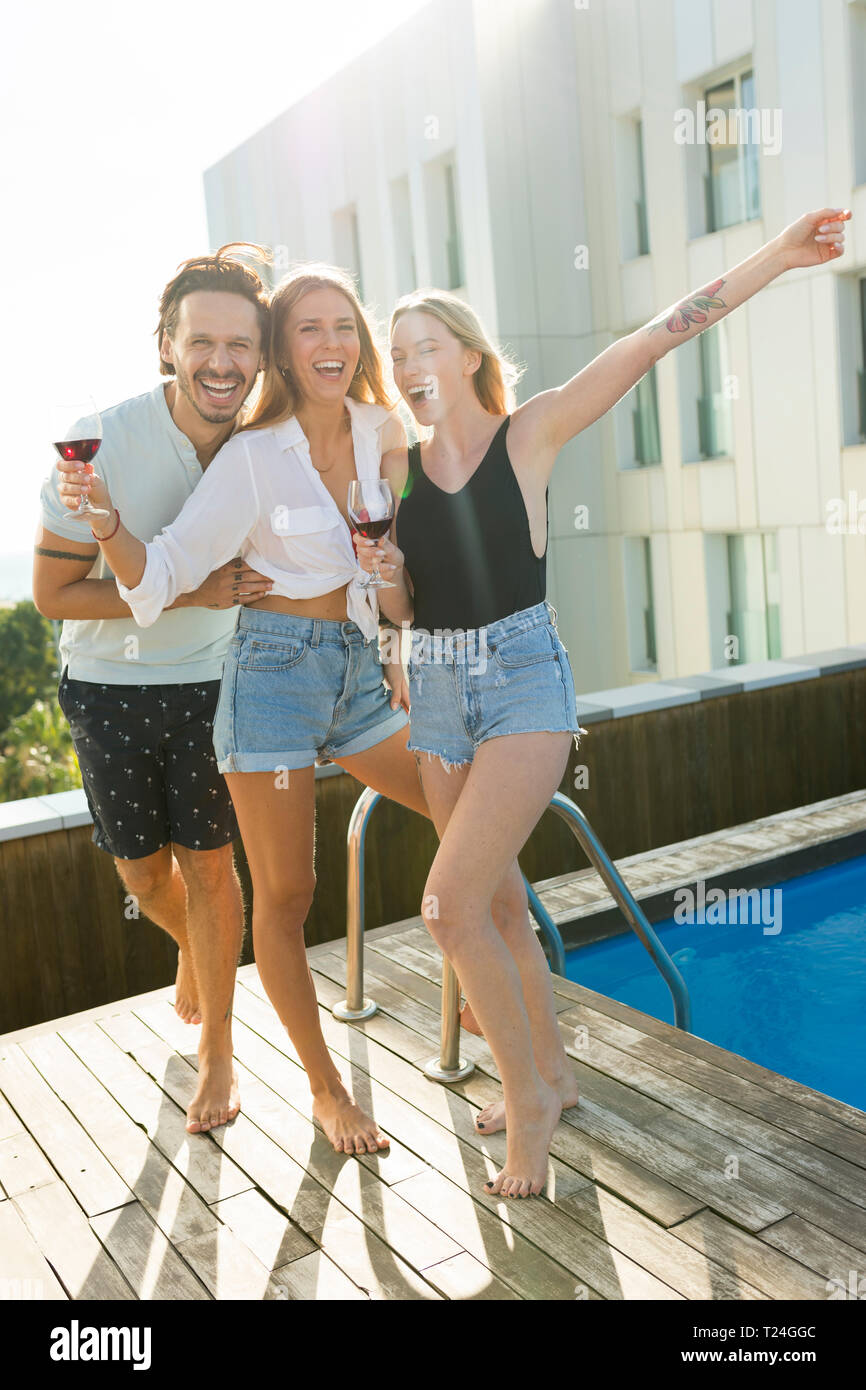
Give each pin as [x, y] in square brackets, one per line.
[449, 1066]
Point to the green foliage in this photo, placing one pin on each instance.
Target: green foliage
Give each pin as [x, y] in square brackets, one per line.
[28, 662]
[36, 754]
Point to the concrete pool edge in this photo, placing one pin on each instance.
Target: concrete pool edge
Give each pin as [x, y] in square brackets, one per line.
[759, 852]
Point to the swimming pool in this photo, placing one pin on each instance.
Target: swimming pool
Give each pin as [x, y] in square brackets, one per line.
[793, 1000]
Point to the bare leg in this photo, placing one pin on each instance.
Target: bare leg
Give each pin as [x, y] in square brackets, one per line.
[156, 883]
[504, 793]
[276, 824]
[215, 921]
[392, 770]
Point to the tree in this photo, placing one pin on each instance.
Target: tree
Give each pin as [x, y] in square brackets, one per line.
[36, 755]
[28, 663]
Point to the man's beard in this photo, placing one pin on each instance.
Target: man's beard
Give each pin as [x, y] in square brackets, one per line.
[185, 386]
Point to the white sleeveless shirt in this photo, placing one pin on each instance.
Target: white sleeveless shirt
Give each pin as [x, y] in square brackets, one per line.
[261, 498]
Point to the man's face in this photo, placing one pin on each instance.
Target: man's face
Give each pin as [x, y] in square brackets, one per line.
[216, 352]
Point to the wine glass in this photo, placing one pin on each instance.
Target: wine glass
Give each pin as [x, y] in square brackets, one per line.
[371, 507]
[76, 428]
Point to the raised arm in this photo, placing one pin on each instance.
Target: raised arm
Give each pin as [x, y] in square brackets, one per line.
[553, 417]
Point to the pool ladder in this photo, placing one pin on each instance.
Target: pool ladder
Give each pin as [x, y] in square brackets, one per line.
[449, 1066]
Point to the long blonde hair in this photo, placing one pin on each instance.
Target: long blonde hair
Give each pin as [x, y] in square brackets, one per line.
[278, 395]
[498, 375]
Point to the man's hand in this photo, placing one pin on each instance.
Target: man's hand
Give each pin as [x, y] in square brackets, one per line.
[395, 679]
[233, 583]
[77, 480]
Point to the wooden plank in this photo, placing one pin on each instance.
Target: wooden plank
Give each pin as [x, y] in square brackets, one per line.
[530, 1272]
[381, 1027]
[466, 1279]
[692, 1045]
[210, 1173]
[413, 1238]
[593, 1267]
[316, 1277]
[148, 1261]
[23, 1165]
[830, 1256]
[839, 1140]
[624, 1101]
[694, 1275]
[24, 1271]
[660, 1199]
[87, 1174]
[61, 1230]
[263, 1228]
[228, 1269]
[9, 1122]
[168, 1199]
[752, 1258]
[749, 1133]
[293, 1087]
[831, 1213]
[555, 1235]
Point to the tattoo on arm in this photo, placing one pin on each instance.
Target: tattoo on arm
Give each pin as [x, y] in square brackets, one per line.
[691, 310]
[64, 554]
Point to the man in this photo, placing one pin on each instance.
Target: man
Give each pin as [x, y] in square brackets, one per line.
[141, 702]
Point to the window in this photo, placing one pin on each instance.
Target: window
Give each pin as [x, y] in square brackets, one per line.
[715, 419]
[453, 250]
[731, 185]
[640, 609]
[443, 224]
[404, 241]
[857, 49]
[753, 616]
[631, 188]
[645, 421]
[347, 244]
[861, 375]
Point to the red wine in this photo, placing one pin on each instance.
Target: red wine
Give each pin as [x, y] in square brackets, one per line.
[372, 530]
[77, 450]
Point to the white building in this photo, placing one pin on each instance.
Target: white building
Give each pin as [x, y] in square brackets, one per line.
[525, 153]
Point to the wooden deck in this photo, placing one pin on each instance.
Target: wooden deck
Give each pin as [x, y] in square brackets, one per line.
[685, 1173]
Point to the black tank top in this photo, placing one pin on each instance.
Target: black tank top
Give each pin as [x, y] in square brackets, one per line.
[469, 553]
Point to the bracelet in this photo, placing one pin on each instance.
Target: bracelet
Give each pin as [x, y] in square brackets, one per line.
[110, 534]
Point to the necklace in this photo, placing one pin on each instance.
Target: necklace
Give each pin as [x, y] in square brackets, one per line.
[347, 425]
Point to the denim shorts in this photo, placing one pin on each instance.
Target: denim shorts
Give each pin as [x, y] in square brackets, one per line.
[295, 689]
[512, 677]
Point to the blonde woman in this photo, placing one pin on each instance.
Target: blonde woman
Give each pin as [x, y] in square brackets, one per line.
[302, 677]
[493, 710]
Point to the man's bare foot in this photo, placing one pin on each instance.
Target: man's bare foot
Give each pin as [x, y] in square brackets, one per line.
[345, 1124]
[469, 1021]
[492, 1117]
[217, 1099]
[529, 1136]
[186, 991]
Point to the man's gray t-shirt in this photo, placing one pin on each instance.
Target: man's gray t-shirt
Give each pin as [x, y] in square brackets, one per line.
[150, 468]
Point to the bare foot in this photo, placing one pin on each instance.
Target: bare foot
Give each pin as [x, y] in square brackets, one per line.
[529, 1136]
[186, 991]
[217, 1099]
[469, 1021]
[345, 1124]
[492, 1118]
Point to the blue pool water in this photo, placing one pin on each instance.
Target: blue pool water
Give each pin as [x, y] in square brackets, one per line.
[794, 1001]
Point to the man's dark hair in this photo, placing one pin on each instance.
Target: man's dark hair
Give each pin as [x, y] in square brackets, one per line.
[223, 271]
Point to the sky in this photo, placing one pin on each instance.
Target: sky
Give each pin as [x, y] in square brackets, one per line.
[109, 115]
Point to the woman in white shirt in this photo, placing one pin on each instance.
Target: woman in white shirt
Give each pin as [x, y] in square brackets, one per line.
[302, 678]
